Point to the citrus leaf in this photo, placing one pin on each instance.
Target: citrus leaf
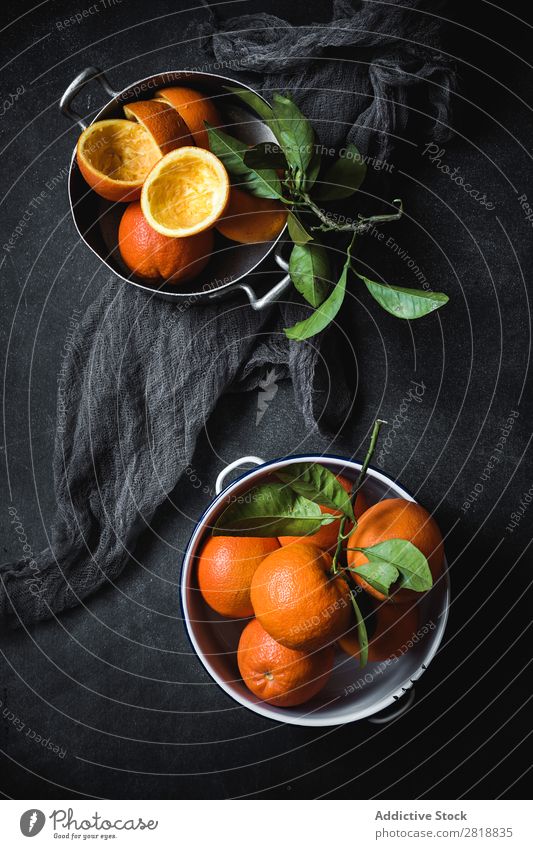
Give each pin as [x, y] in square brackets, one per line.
[313, 169]
[231, 152]
[343, 178]
[297, 232]
[318, 484]
[310, 273]
[271, 510]
[255, 102]
[265, 155]
[260, 106]
[294, 132]
[403, 556]
[404, 303]
[378, 574]
[324, 314]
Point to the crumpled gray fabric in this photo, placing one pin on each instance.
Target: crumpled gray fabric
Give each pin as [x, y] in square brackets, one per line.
[144, 376]
[140, 383]
[388, 58]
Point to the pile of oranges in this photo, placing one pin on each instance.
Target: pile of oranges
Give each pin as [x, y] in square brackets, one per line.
[157, 159]
[300, 612]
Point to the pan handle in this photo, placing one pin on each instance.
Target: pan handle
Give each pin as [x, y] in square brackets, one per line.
[219, 484]
[76, 86]
[405, 703]
[274, 293]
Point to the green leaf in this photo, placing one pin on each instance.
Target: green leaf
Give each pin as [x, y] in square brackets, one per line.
[318, 484]
[327, 310]
[231, 152]
[297, 232]
[294, 133]
[404, 557]
[255, 102]
[343, 178]
[323, 315]
[378, 574]
[271, 510]
[404, 303]
[310, 273]
[265, 155]
[313, 170]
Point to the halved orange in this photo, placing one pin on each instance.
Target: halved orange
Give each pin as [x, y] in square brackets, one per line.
[165, 125]
[115, 156]
[194, 108]
[185, 192]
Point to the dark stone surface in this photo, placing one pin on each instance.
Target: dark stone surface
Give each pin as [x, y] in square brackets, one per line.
[114, 684]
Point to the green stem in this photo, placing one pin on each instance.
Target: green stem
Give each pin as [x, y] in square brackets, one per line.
[360, 226]
[394, 216]
[356, 487]
[361, 627]
[316, 209]
[369, 454]
[362, 634]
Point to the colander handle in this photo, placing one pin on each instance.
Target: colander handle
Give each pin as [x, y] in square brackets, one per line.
[219, 484]
[274, 293]
[405, 703]
[76, 86]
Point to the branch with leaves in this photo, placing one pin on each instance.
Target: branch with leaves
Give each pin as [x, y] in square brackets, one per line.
[291, 172]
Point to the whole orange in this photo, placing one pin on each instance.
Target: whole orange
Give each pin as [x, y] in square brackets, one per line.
[226, 566]
[278, 675]
[248, 219]
[394, 628]
[326, 536]
[151, 255]
[296, 599]
[397, 518]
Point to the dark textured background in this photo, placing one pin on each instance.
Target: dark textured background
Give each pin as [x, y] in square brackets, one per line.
[114, 683]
